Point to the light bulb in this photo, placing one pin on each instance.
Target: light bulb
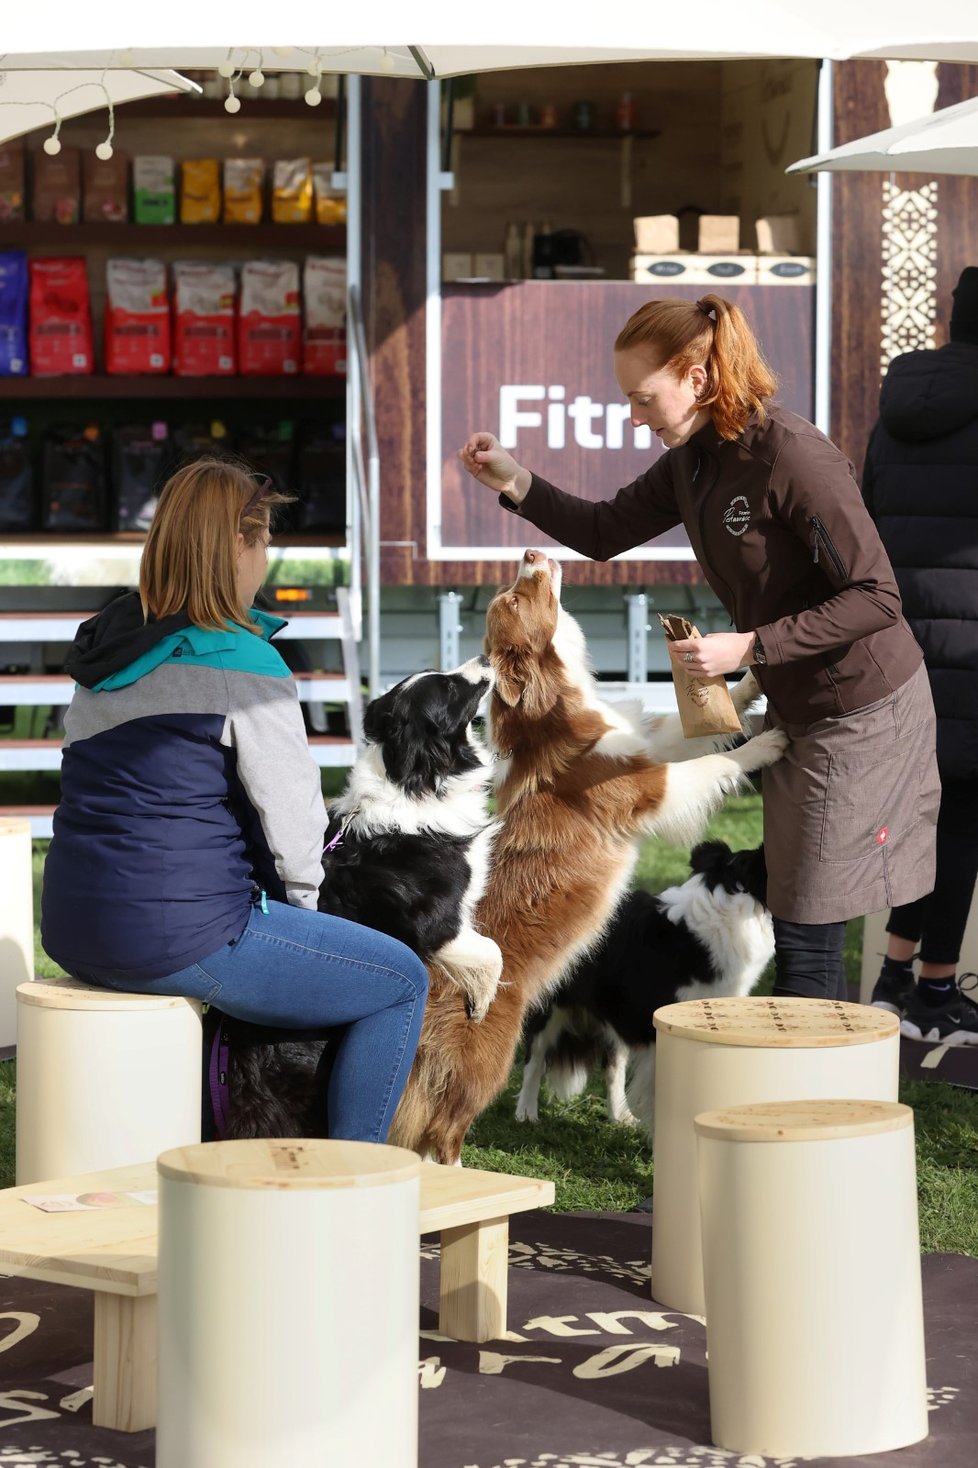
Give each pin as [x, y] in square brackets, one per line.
[387, 62]
[104, 151]
[51, 146]
[226, 69]
[232, 103]
[314, 96]
[257, 77]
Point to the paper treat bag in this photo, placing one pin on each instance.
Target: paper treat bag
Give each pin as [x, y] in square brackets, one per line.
[705, 705]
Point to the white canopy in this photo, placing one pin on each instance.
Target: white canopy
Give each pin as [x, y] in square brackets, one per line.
[459, 40]
[944, 142]
[37, 99]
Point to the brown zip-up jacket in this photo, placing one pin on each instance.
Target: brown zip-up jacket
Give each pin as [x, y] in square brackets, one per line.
[777, 523]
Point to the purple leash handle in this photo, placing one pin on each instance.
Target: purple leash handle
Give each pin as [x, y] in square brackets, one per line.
[218, 1080]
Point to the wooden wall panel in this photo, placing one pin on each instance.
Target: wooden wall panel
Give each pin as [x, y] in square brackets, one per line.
[857, 204]
[958, 202]
[393, 274]
[560, 334]
[857, 240]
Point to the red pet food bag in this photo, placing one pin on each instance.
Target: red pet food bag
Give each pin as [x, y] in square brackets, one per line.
[324, 332]
[269, 323]
[137, 317]
[60, 318]
[203, 319]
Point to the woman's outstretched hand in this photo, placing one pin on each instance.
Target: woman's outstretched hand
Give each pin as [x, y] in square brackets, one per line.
[486, 460]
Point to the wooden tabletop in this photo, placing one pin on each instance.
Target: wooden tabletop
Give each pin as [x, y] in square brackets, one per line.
[802, 1121]
[114, 1249]
[781, 1023]
[72, 994]
[288, 1165]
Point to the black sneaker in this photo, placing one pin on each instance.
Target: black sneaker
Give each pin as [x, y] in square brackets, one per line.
[893, 992]
[955, 1022]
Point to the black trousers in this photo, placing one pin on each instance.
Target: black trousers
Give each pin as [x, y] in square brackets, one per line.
[938, 921]
[808, 960]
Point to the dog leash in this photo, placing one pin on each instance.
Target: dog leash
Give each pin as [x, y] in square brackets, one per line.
[341, 823]
[217, 1077]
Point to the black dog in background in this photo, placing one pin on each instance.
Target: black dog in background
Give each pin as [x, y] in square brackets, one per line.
[710, 936]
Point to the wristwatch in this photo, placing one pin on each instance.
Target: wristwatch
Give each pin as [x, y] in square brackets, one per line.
[758, 651]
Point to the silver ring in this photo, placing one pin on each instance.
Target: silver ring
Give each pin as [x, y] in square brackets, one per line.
[687, 657]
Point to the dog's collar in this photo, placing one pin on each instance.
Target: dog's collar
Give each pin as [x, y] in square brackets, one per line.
[337, 837]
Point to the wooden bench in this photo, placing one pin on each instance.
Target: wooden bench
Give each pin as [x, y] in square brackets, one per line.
[113, 1253]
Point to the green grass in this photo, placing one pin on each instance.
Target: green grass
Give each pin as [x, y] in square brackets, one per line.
[598, 1165]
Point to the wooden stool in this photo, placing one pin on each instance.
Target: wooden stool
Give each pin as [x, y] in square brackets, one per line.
[727, 1052]
[816, 1350]
[103, 1078]
[16, 921]
[288, 1306]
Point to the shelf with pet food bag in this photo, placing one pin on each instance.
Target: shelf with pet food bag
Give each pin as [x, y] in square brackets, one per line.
[129, 238]
[167, 234]
[293, 385]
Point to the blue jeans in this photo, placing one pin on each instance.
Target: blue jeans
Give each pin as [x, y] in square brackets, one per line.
[299, 969]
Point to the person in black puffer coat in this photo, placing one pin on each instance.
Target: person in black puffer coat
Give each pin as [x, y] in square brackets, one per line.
[920, 484]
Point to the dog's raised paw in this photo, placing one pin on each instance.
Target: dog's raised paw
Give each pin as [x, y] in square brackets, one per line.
[478, 998]
[746, 692]
[764, 749]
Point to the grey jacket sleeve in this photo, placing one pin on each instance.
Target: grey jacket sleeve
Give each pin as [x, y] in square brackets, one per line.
[281, 779]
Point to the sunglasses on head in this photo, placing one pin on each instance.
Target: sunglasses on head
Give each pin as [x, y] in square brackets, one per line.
[264, 484]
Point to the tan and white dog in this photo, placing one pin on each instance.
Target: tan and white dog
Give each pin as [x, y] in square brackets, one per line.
[578, 784]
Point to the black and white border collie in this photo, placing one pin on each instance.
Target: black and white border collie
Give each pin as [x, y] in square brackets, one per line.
[408, 852]
[710, 936]
[410, 840]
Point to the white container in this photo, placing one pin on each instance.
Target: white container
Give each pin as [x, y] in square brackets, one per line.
[104, 1079]
[786, 270]
[16, 921]
[815, 1348]
[288, 1307]
[730, 1052]
[693, 269]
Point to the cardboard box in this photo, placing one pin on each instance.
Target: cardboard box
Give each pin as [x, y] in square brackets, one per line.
[490, 266]
[786, 270]
[656, 234]
[715, 271]
[778, 234]
[456, 266]
[719, 234]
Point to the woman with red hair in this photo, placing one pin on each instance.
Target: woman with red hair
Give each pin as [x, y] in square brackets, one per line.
[777, 522]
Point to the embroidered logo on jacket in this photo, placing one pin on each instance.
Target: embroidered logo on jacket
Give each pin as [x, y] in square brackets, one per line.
[736, 517]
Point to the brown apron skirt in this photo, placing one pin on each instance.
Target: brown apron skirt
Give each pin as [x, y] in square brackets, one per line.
[850, 811]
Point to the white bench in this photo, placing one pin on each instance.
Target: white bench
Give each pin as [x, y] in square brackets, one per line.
[113, 1253]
